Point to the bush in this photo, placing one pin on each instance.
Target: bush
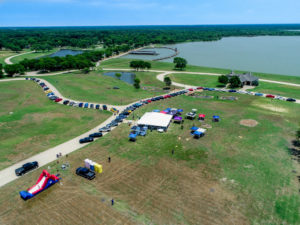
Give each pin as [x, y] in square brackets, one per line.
[235, 82]
[137, 83]
[223, 79]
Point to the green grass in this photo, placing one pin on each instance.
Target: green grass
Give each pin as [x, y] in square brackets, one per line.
[278, 89]
[32, 55]
[30, 123]
[156, 65]
[96, 87]
[255, 158]
[196, 80]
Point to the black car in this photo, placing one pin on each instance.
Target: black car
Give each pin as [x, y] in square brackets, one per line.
[97, 106]
[86, 140]
[26, 168]
[291, 99]
[66, 102]
[86, 173]
[97, 134]
[91, 106]
[104, 107]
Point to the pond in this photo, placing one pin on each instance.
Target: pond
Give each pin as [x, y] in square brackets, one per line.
[125, 76]
[65, 52]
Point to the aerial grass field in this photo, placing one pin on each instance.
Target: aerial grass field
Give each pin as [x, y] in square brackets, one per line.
[278, 89]
[32, 55]
[233, 175]
[4, 54]
[96, 87]
[30, 123]
[156, 65]
[212, 81]
[195, 79]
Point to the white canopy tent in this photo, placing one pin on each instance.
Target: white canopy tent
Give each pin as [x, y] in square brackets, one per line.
[155, 120]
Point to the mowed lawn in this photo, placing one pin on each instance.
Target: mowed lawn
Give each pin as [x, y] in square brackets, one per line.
[195, 79]
[32, 55]
[157, 65]
[96, 87]
[30, 123]
[4, 54]
[233, 175]
[278, 89]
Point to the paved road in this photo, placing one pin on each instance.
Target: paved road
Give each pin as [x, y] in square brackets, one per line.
[7, 60]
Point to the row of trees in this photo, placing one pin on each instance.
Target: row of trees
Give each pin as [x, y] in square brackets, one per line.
[234, 81]
[83, 37]
[140, 64]
[48, 64]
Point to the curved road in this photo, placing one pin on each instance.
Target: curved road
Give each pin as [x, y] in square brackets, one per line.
[7, 60]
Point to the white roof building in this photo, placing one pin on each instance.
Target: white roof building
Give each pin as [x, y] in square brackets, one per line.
[155, 120]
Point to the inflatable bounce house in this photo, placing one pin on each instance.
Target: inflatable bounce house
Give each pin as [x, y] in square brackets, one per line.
[45, 181]
[93, 166]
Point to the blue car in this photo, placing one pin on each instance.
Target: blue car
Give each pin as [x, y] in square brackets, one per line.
[259, 94]
[91, 106]
[86, 105]
[104, 107]
[97, 106]
[231, 90]
[80, 104]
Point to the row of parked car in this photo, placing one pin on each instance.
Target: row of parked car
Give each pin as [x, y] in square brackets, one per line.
[126, 112]
[51, 95]
[245, 92]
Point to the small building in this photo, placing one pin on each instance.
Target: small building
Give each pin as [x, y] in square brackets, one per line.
[155, 120]
[246, 78]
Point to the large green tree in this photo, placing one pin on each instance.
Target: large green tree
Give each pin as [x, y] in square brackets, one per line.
[223, 79]
[168, 81]
[235, 82]
[180, 63]
[1, 71]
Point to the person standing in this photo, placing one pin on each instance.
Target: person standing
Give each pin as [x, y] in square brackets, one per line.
[112, 202]
[109, 159]
[172, 151]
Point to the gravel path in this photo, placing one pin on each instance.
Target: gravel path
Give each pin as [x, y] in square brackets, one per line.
[7, 60]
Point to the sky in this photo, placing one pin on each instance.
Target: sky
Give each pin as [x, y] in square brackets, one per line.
[146, 12]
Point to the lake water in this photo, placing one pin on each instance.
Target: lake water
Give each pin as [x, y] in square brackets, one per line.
[65, 52]
[266, 54]
[125, 76]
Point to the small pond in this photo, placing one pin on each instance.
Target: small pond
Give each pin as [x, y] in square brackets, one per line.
[65, 52]
[125, 76]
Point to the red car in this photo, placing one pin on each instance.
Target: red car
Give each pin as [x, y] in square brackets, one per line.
[198, 88]
[148, 100]
[166, 96]
[58, 99]
[191, 89]
[270, 96]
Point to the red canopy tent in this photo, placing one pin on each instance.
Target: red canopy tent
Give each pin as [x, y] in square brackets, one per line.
[201, 116]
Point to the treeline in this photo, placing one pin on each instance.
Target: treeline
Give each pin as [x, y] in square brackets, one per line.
[48, 64]
[43, 39]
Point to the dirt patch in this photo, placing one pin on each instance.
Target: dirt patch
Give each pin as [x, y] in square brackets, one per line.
[272, 108]
[249, 123]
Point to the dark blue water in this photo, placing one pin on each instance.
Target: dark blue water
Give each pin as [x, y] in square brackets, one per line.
[65, 52]
[125, 76]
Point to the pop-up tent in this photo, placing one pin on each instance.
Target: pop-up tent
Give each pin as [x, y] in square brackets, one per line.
[201, 116]
[200, 132]
[193, 129]
[177, 119]
[216, 118]
[45, 181]
[156, 110]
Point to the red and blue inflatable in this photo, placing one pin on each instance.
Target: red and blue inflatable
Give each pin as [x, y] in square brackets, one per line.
[45, 181]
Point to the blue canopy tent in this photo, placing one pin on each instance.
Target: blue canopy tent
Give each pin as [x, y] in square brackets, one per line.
[194, 128]
[132, 136]
[180, 110]
[216, 118]
[156, 110]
